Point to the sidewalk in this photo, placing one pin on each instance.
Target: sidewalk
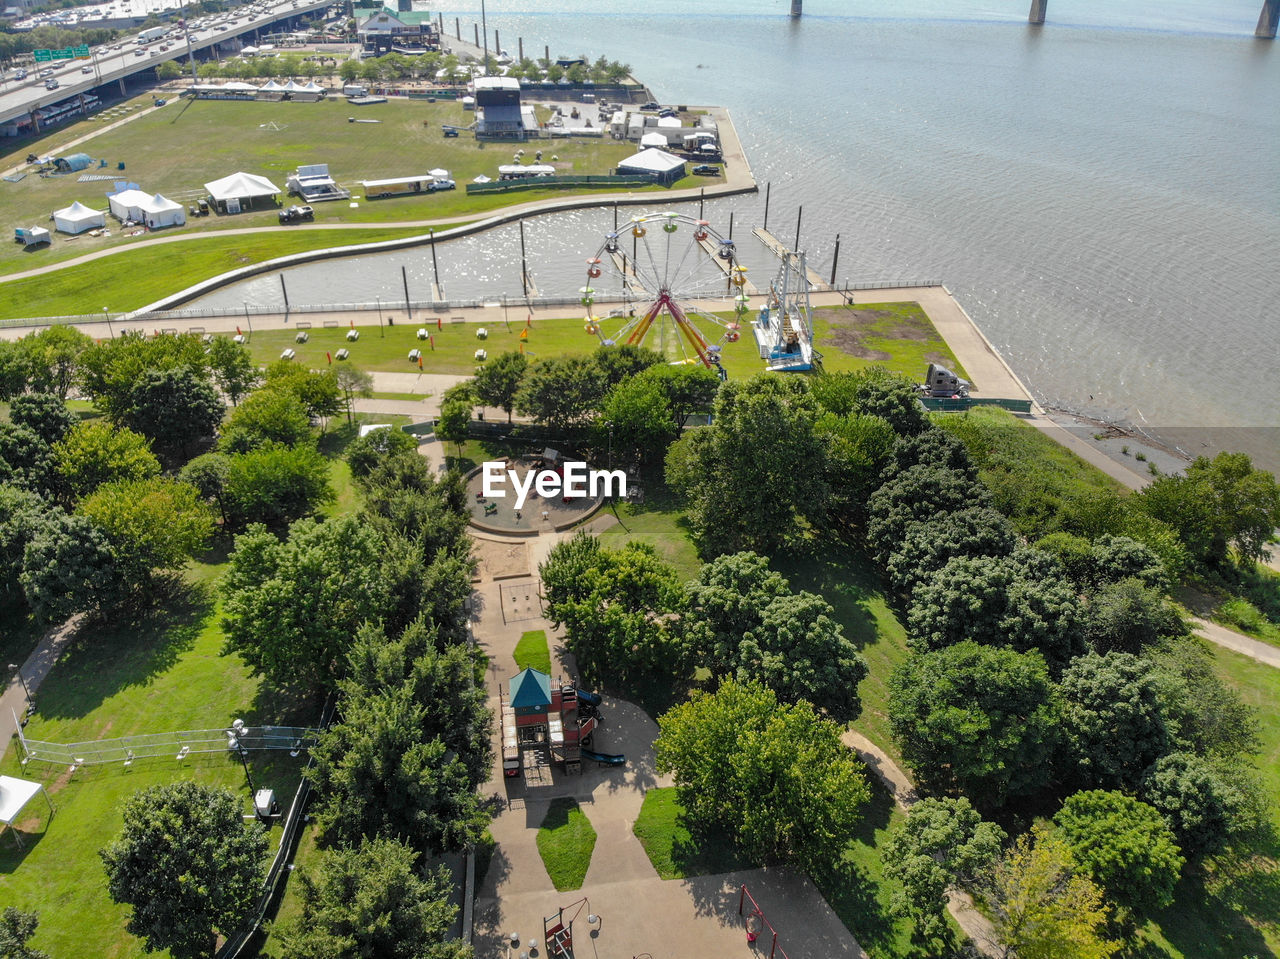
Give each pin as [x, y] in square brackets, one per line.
[35, 668]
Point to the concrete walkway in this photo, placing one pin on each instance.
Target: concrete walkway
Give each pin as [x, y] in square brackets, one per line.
[13, 703]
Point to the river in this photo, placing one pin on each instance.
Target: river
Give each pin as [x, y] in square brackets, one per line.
[1099, 193]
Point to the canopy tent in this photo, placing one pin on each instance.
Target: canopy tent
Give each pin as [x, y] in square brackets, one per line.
[14, 796]
[240, 190]
[655, 139]
[73, 162]
[126, 204]
[272, 87]
[660, 164]
[77, 218]
[160, 211]
[440, 173]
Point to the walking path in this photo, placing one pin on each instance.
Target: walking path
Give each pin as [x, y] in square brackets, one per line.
[13, 703]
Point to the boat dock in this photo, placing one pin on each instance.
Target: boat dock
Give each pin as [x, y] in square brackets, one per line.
[711, 250]
[778, 248]
[621, 261]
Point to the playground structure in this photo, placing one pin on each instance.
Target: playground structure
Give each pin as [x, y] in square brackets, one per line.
[675, 266]
[784, 328]
[542, 720]
[557, 930]
[753, 919]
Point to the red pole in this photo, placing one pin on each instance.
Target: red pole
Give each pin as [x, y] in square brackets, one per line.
[742, 898]
[775, 946]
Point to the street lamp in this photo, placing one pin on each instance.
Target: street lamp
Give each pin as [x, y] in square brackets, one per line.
[18, 669]
[108, 318]
[233, 742]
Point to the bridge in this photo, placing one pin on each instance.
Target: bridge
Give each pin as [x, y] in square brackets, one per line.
[125, 59]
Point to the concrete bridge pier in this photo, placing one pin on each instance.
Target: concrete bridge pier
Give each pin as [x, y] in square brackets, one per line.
[1037, 11]
[795, 7]
[1267, 20]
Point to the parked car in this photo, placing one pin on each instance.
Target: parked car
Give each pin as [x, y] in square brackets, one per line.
[706, 169]
[441, 185]
[651, 105]
[296, 214]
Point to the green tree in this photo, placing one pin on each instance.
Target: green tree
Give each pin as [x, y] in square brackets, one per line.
[174, 408]
[977, 719]
[858, 449]
[25, 459]
[276, 485]
[733, 473]
[365, 452]
[21, 513]
[15, 368]
[403, 497]
[1202, 807]
[69, 566]
[232, 366]
[188, 864]
[928, 545]
[1123, 845]
[16, 929]
[291, 607]
[498, 381]
[634, 421]
[1040, 909]
[54, 355]
[619, 363]
[918, 493]
[1113, 718]
[349, 70]
[775, 777]
[208, 474]
[352, 382]
[266, 416]
[562, 393]
[94, 453]
[110, 370]
[454, 421]
[152, 524]
[1212, 718]
[942, 845]
[688, 389]
[873, 392]
[1117, 558]
[747, 623]
[169, 70]
[317, 390]
[44, 414]
[371, 900]
[1128, 617]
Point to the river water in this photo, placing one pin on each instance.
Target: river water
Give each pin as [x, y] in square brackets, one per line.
[1099, 193]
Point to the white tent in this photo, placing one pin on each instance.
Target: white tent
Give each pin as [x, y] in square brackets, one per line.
[293, 87]
[159, 211]
[272, 87]
[312, 87]
[440, 173]
[240, 189]
[127, 204]
[654, 162]
[77, 218]
[14, 795]
[654, 140]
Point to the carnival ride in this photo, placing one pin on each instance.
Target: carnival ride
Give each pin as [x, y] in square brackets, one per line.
[671, 272]
[784, 327]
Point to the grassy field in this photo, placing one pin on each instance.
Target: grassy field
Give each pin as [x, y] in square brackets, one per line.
[532, 652]
[177, 149]
[659, 522]
[898, 336]
[674, 852]
[565, 842]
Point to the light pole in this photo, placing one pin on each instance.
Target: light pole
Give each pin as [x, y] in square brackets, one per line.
[379, 299]
[233, 741]
[25, 689]
[108, 319]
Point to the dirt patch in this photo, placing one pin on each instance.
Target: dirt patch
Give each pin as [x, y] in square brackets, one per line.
[496, 560]
[851, 342]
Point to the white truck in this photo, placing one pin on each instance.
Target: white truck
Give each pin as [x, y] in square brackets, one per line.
[152, 33]
[355, 90]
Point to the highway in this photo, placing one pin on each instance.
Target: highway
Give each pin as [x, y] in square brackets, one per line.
[125, 57]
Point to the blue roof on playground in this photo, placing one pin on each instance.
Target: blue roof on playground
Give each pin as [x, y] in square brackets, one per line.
[530, 688]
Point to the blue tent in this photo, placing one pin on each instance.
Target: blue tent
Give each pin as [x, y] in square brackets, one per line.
[73, 163]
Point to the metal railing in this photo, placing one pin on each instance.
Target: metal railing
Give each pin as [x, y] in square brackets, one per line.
[178, 745]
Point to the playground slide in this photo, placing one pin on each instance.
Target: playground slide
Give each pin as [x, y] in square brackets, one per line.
[591, 699]
[605, 758]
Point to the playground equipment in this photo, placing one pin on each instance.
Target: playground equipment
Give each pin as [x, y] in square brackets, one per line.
[557, 930]
[754, 921]
[666, 269]
[784, 328]
[538, 716]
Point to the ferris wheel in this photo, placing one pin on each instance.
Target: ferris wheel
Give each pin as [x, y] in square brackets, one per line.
[682, 291]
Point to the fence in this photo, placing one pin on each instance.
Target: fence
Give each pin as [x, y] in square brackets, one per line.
[554, 182]
[940, 405]
[172, 745]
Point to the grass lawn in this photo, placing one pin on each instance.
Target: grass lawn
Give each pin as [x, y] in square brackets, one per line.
[674, 852]
[532, 652]
[565, 842]
[899, 336]
[660, 522]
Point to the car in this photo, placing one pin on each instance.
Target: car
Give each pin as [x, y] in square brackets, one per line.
[51, 84]
[86, 69]
[296, 214]
[20, 75]
[651, 105]
[706, 169]
[441, 185]
[44, 73]
[139, 53]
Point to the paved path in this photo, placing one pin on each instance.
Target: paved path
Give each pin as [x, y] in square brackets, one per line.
[1244, 645]
[34, 670]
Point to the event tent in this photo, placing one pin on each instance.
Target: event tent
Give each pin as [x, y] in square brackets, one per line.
[14, 795]
[73, 162]
[655, 139]
[660, 164]
[127, 204]
[240, 190]
[77, 218]
[160, 211]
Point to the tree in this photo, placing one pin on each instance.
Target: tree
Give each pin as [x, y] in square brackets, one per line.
[69, 566]
[349, 70]
[208, 474]
[1117, 558]
[1212, 719]
[942, 845]
[232, 366]
[928, 545]
[1113, 718]
[44, 414]
[15, 368]
[746, 623]
[174, 408]
[152, 524]
[94, 453]
[371, 900]
[365, 452]
[266, 416]
[1123, 845]
[858, 448]
[918, 493]
[21, 513]
[275, 485]
[1203, 808]
[635, 421]
[169, 70]
[292, 607]
[1040, 909]
[729, 473]
[188, 864]
[624, 361]
[874, 392]
[403, 497]
[1128, 617]
[977, 719]
[454, 421]
[54, 355]
[110, 370]
[352, 382]
[774, 777]
[563, 393]
[498, 381]
[25, 459]
[688, 389]
[317, 390]
[16, 928]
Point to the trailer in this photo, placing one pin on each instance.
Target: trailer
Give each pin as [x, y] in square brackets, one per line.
[151, 33]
